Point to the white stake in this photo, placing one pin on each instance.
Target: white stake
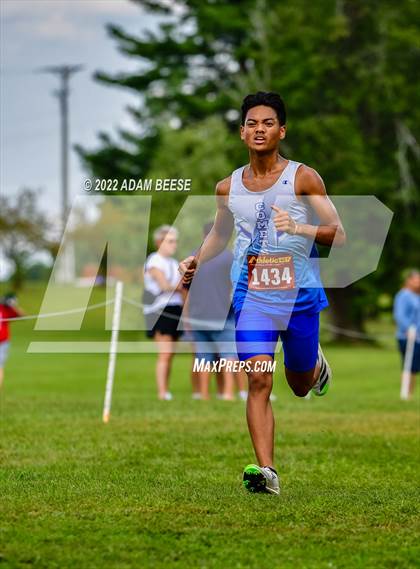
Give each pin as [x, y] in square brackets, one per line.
[408, 361]
[113, 351]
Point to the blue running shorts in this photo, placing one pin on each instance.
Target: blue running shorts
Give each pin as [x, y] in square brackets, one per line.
[258, 329]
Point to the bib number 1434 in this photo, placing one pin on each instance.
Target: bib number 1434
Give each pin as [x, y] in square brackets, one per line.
[268, 272]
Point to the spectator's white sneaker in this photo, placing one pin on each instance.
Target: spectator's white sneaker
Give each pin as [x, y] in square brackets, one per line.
[243, 395]
[168, 396]
[261, 479]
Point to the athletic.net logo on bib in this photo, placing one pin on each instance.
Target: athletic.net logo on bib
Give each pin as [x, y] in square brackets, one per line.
[271, 272]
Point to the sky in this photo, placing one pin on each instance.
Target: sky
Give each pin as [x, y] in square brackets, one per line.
[38, 33]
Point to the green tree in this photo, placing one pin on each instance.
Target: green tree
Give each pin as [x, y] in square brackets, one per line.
[346, 69]
[23, 232]
[200, 152]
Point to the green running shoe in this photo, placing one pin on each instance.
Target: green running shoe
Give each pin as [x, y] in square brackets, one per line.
[261, 479]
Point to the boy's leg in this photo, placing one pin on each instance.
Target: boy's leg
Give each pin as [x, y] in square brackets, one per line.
[256, 339]
[259, 412]
[262, 478]
[300, 347]
[302, 382]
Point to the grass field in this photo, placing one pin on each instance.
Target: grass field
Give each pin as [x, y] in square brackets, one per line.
[160, 485]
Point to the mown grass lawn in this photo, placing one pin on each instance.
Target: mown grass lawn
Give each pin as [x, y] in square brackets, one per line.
[160, 485]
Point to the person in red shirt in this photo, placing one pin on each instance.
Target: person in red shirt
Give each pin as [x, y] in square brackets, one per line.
[8, 309]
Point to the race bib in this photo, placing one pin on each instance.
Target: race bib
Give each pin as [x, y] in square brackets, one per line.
[271, 272]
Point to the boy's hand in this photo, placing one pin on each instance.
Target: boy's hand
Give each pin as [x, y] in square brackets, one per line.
[187, 268]
[283, 221]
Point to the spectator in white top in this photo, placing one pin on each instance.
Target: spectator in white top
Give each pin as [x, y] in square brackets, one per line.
[162, 303]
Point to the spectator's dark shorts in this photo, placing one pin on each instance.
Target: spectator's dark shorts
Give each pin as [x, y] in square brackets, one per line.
[167, 323]
[415, 366]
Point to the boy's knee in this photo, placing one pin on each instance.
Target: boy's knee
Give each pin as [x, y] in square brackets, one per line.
[259, 381]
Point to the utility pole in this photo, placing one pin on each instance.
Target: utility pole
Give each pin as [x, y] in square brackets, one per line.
[64, 73]
[66, 270]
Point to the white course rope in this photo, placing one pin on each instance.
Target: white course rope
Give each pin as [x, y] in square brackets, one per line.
[54, 314]
[355, 333]
[329, 327]
[174, 316]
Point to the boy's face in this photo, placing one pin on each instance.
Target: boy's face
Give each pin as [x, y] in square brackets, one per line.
[262, 130]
